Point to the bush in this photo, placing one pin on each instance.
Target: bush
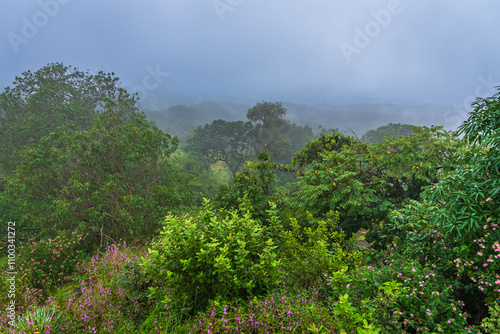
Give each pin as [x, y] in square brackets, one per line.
[100, 305]
[492, 323]
[401, 296]
[310, 252]
[50, 262]
[224, 255]
[283, 311]
[256, 183]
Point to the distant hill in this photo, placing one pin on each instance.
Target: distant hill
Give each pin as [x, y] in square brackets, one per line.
[180, 119]
[363, 117]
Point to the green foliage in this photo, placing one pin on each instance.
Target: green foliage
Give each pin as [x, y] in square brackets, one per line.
[468, 264]
[284, 310]
[266, 113]
[412, 298]
[385, 131]
[46, 99]
[271, 129]
[189, 177]
[107, 179]
[364, 182]
[254, 184]
[411, 162]
[330, 183]
[310, 252]
[471, 194]
[230, 142]
[39, 320]
[352, 318]
[472, 261]
[50, 263]
[215, 255]
[408, 225]
[9, 214]
[491, 324]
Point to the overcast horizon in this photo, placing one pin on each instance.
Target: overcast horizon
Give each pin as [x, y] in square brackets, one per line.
[333, 52]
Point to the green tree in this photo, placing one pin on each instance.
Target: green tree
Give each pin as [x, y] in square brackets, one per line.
[364, 182]
[386, 131]
[255, 184]
[190, 176]
[299, 137]
[470, 195]
[50, 97]
[230, 142]
[106, 179]
[271, 128]
[454, 228]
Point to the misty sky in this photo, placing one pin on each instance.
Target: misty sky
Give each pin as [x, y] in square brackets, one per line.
[323, 51]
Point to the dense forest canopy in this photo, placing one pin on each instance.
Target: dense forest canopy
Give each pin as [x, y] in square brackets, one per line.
[316, 232]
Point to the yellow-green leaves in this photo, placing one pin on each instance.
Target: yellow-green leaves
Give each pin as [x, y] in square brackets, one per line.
[217, 254]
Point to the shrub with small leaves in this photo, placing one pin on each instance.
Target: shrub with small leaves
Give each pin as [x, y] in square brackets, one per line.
[50, 262]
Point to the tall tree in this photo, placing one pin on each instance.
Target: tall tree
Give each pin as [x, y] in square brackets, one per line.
[387, 131]
[366, 181]
[107, 179]
[271, 128]
[230, 142]
[469, 197]
[52, 96]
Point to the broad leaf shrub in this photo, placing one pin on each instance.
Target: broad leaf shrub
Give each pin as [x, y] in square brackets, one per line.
[215, 255]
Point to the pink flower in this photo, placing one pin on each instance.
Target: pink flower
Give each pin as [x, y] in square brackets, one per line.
[488, 199]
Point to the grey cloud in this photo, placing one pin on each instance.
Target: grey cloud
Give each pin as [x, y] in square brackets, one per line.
[432, 51]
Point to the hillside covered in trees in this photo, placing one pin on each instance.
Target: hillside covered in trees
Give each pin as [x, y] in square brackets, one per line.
[254, 224]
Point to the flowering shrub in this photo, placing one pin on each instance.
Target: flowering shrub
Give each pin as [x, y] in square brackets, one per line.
[469, 263]
[50, 262]
[283, 311]
[102, 304]
[402, 296]
[99, 305]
